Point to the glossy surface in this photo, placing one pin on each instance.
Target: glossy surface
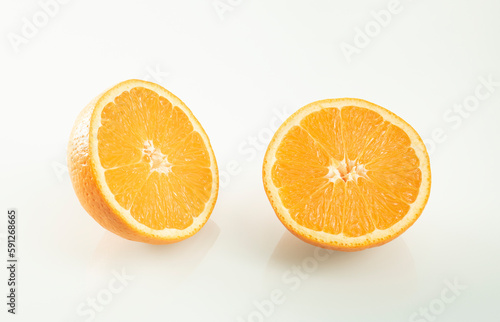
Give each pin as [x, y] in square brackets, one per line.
[242, 76]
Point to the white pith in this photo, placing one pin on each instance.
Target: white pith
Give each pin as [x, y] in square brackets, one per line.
[345, 170]
[334, 174]
[159, 161]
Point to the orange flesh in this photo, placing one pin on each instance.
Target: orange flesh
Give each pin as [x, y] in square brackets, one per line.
[346, 171]
[156, 165]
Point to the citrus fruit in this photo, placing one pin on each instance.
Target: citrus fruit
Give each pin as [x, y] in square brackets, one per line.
[142, 165]
[346, 174]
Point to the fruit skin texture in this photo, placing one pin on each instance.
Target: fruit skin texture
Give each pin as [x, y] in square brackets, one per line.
[83, 177]
[314, 240]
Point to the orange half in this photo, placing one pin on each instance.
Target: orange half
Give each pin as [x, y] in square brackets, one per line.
[346, 174]
[142, 165]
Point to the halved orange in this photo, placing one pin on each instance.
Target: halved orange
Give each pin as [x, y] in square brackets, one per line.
[346, 174]
[142, 165]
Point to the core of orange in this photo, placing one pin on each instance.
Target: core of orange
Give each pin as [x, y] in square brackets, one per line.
[142, 165]
[346, 174]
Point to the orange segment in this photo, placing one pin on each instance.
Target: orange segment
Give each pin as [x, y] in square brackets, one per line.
[174, 130]
[325, 127]
[298, 147]
[150, 210]
[198, 180]
[153, 175]
[357, 221]
[388, 141]
[359, 127]
[385, 210]
[190, 151]
[119, 137]
[125, 182]
[403, 185]
[346, 174]
[335, 217]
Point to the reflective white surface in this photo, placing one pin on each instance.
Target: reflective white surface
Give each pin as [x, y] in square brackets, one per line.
[241, 76]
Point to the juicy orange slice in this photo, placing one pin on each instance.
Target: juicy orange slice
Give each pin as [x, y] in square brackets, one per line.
[142, 165]
[346, 174]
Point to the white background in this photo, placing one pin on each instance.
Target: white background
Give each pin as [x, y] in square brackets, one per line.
[238, 70]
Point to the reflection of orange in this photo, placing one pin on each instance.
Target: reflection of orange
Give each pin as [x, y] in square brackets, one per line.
[142, 165]
[346, 174]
